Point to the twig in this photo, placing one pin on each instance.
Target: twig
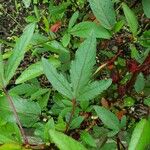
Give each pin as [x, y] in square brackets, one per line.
[16, 116]
[118, 143]
[71, 115]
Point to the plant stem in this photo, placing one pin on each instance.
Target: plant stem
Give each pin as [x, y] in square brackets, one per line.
[71, 115]
[118, 143]
[16, 116]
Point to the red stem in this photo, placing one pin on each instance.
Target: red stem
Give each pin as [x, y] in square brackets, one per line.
[71, 115]
[9, 98]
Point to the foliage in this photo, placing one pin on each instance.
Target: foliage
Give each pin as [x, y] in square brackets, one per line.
[77, 77]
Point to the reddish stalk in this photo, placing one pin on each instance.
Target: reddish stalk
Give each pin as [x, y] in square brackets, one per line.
[71, 115]
[9, 98]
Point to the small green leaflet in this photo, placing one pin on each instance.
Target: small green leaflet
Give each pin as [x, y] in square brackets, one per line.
[18, 52]
[66, 39]
[81, 67]
[104, 12]
[35, 70]
[39, 93]
[88, 139]
[65, 142]
[94, 89]
[147, 101]
[73, 19]
[76, 122]
[56, 47]
[146, 7]
[141, 136]
[26, 3]
[108, 118]
[131, 18]
[140, 83]
[84, 29]
[57, 80]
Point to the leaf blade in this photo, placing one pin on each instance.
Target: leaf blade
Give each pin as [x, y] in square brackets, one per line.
[64, 142]
[19, 51]
[34, 70]
[28, 111]
[57, 80]
[81, 67]
[131, 18]
[108, 118]
[94, 89]
[104, 12]
[146, 6]
[83, 30]
[140, 137]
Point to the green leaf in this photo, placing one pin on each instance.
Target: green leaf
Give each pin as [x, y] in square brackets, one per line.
[26, 3]
[94, 89]
[140, 83]
[140, 136]
[61, 124]
[104, 12]
[66, 39]
[37, 94]
[35, 70]
[146, 6]
[81, 67]
[128, 101]
[147, 101]
[144, 39]
[76, 122]
[131, 18]
[111, 146]
[23, 89]
[65, 142]
[9, 133]
[88, 139]
[108, 118]
[56, 47]
[18, 52]
[49, 125]
[57, 80]
[28, 111]
[118, 26]
[43, 101]
[73, 19]
[2, 82]
[83, 30]
[11, 146]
